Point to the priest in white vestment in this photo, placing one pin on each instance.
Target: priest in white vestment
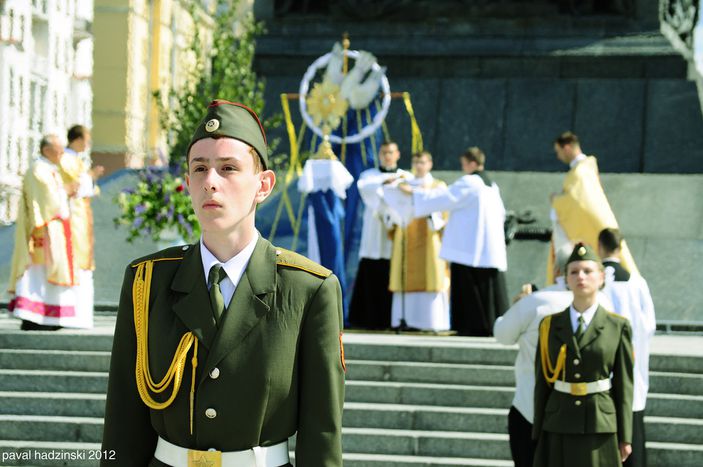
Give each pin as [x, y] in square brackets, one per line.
[419, 277]
[45, 276]
[474, 244]
[370, 306]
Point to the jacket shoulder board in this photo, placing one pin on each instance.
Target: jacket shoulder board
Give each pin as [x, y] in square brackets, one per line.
[169, 254]
[291, 259]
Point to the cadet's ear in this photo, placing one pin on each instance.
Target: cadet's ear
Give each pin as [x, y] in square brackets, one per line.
[267, 182]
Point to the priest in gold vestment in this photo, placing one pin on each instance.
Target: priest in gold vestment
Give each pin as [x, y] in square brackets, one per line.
[581, 210]
[45, 277]
[419, 279]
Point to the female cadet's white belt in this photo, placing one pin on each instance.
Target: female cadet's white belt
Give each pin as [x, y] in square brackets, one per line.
[582, 389]
[176, 456]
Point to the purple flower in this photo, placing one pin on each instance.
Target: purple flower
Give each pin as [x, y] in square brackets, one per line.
[137, 222]
[167, 198]
[185, 224]
[139, 209]
[128, 191]
[170, 211]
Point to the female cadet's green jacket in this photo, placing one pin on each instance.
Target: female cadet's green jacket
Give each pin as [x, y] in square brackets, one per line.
[603, 351]
[277, 355]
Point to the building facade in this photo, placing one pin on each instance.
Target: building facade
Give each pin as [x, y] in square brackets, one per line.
[46, 66]
[153, 53]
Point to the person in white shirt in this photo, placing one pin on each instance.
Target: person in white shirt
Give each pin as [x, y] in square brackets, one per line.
[473, 242]
[631, 299]
[370, 306]
[519, 325]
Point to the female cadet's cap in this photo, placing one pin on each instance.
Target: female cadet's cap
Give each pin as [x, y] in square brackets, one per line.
[232, 120]
[583, 252]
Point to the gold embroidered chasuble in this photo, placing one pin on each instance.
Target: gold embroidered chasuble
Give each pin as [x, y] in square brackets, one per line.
[43, 227]
[583, 211]
[415, 262]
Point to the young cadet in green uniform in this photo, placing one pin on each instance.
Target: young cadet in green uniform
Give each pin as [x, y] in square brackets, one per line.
[584, 382]
[226, 348]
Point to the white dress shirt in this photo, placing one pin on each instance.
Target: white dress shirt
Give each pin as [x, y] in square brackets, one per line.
[520, 324]
[576, 160]
[234, 267]
[632, 300]
[474, 235]
[587, 316]
[375, 243]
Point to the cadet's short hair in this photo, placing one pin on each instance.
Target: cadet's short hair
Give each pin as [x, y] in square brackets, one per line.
[388, 142]
[76, 132]
[474, 154]
[610, 239]
[565, 138]
[420, 154]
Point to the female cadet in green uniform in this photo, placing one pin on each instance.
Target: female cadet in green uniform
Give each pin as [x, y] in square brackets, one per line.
[583, 390]
[221, 372]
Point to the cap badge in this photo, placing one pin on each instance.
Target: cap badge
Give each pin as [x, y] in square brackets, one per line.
[582, 251]
[212, 125]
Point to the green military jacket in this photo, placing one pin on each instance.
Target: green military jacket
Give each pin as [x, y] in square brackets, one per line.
[274, 367]
[604, 350]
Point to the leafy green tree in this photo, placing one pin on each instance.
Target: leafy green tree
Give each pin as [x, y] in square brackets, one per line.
[223, 70]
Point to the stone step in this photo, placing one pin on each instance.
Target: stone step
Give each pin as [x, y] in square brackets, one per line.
[53, 381]
[53, 404]
[420, 372]
[428, 394]
[674, 405]
[426, 443]
[63, 339]
[675, 383]
[674, 455]
[51, 428]
[381, 460]
[72, 360]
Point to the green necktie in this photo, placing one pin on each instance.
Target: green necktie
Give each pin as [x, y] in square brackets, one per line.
[215, 276]
[581, 328]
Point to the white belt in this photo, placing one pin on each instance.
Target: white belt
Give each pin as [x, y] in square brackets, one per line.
[176, 456]
[582, 389]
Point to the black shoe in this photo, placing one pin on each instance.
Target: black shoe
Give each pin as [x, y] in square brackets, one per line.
[32, 326]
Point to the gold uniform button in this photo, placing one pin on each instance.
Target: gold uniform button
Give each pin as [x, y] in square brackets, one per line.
[576, 361]
[211, 413]
[577, 403]
[577, 375]
[215, 373]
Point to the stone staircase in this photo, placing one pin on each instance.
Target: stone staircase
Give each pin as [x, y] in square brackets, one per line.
[411, 400]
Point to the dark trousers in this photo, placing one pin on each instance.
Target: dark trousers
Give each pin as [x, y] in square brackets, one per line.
[478, 297]
[638, 458]
[371, 301]
[522, 447]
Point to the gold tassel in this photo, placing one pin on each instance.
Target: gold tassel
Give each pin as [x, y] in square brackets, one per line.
[415, 128]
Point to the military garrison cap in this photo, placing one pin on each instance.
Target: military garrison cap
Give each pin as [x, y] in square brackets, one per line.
[232, 120]
[583, 252]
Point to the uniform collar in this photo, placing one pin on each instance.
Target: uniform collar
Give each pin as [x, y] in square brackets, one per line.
[611, 259]
[587, 316]
[235, 266]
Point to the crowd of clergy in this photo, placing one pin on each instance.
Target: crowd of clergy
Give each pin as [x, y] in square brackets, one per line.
[433, 258]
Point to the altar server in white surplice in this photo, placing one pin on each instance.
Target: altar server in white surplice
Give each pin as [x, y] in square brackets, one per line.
[370, 306]
[419, 279]
[474, 244]
[631, 299]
